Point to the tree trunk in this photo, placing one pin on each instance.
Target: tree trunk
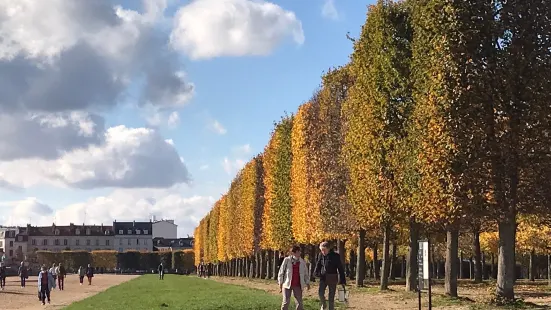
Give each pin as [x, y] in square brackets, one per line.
[493, 270]
[452, 240]
[532, 267]
[506, 258]
[393, 262]
[461, 258]
[471, 268]
[376, 269]
[483, 267]
[403, 267]
[478, 262]
[549, 269]
[312, 262]
[411, 263]
[342, 251]
[386, 257]
[352, 260]
[262, 265]
[360, 259]
[276, 260]
[269, 264]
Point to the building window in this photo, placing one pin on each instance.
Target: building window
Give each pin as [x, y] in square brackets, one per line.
[145, 231]
[106, 242]
[65, 241]
[97, 242]
[130, 231]
[77, 232]
[121, 232]
[11, 253]
[33, 242]
[11, 243]
[45, 242]
[88, 231]
[88, 242]
[56, 242]
[1, 243]
[144, 241]
[138, 241]
[19, 238]
[107, 232]
[120, 241]
[129, 241]
[57, 232]
[137, 231]
[77, 242]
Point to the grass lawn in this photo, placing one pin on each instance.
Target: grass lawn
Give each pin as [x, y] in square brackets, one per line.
[182, 292]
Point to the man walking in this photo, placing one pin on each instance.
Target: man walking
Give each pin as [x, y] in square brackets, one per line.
[45, 284]
[61, 273]
[23, 273]
[161, 271]
[2, 276]
[331, 272]
[53, 272]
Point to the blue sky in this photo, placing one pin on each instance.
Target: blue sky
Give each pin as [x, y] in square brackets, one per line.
[242, 95]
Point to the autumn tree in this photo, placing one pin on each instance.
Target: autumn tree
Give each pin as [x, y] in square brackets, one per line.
[224, 220]
[377, 113]
[276, 224]
[212, 243]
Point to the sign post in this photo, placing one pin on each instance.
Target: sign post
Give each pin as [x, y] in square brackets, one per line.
[423, 260]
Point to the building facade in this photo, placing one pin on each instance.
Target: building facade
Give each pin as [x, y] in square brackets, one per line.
[133, 236]
[174, 244]
[72, 237]
[165, 229]
[8, 247]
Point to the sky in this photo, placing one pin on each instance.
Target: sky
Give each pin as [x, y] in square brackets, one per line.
[125, 109]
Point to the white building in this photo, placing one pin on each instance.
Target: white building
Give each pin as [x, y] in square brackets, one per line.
[133, 236]
[165, 229]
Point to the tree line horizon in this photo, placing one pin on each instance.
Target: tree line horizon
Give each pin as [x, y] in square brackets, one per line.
[438, 127]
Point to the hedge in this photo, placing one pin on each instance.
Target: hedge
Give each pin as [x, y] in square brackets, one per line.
[111, 260]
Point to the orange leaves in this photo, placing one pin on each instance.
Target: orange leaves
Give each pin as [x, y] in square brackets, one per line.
[197, 244]
[223, 234]
[532, 235]
[251, 201]
[277, 230]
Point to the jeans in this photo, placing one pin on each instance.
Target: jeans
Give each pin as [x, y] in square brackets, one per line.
[321, 293]
[45, 293]
[2, 282]
[161, 275]
[81, 278]
[297, 292]
[23, 281]
[60, 282]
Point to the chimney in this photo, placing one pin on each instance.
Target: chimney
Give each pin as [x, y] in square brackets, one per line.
[133, 223]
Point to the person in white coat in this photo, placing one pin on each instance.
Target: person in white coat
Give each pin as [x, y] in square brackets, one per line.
[293, 277]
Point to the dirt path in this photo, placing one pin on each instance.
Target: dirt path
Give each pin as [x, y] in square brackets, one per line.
[396, 298]
[16, 298]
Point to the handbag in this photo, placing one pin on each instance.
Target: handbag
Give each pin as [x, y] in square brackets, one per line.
[331, 279]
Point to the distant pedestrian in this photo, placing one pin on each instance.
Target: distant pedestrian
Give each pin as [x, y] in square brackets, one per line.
[292, 278]
[161, 271]
[331, 272]
[53, 272]
[2, 276]
[23, 273]
[61, 274]
[89, 273]
[45, 284]
[81, 273]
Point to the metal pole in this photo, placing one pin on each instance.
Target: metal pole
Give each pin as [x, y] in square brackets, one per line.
[430, 278]
[419, 295]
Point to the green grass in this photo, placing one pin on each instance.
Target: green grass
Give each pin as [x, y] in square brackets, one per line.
[182, 292]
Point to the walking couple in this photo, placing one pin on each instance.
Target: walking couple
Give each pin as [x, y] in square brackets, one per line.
[294, 276]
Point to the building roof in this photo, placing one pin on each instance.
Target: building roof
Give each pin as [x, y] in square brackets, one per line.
[70, 230]
[178, 243]
[133, 227]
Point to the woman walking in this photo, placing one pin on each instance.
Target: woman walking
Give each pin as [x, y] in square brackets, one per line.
[45, 284]
[2, 276]
[53, 272]
[292, 278]
[81, 273]
[89, 273]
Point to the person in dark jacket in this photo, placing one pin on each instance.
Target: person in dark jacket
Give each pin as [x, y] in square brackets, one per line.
[330, 271]
[23, 273]
[61, 274]
[2, 276]
[161, 271]
[89, 273]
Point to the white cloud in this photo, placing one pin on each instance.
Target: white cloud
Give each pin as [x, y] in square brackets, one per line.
[213, 28]
[204, 167]
[62, 55]
[243, 149]
[129, 158]
[231, 166]
[173, 119]
[121, 205]
[217, 127]
[329, 10]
